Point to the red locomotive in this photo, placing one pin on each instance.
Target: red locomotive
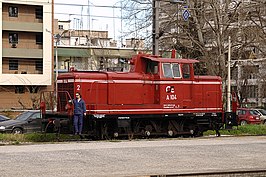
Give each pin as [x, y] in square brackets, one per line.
[158, 96]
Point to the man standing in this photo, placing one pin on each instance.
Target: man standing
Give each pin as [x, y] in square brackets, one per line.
[79, 112]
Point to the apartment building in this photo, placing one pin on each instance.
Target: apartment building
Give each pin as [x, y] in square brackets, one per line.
[89, 49]
[80, 37]
[248, 77]
[26, 58]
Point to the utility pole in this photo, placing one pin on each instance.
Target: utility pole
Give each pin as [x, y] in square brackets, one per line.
[57, 38]
[155, 27]
[229, 76]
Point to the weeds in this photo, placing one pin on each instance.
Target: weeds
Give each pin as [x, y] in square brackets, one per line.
[16, 139]
[241, 130]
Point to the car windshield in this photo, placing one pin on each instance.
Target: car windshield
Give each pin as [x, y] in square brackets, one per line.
[254, 112]
[3, 117]
[262, 111]
[24, 116]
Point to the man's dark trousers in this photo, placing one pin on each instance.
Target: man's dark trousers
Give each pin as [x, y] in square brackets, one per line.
[78, 123]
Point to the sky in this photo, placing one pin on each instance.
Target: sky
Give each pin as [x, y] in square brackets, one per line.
[101, 18]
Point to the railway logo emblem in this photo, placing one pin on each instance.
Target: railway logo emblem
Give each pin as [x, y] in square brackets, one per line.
[170, 90]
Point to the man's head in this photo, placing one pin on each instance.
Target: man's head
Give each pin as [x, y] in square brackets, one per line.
[78, 95]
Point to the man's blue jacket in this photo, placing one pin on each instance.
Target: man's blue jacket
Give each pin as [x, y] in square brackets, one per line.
[79, 107]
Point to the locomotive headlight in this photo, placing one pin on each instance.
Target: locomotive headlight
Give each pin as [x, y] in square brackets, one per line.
[2, 127]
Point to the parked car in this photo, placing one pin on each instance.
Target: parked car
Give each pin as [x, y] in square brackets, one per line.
[26, 122]
[262, 113]
[3, 118]
[248, 116]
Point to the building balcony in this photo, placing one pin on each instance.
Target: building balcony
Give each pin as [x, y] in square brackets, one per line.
[22, 53]
[22, 26]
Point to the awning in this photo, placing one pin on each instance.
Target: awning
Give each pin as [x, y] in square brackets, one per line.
[72, 52]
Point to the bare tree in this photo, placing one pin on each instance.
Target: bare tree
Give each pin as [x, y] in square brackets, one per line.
[204, 35]
[137, 19]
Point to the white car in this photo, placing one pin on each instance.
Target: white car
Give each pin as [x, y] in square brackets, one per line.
[262, 113]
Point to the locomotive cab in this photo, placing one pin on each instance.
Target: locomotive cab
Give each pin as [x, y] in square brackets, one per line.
[167, 81]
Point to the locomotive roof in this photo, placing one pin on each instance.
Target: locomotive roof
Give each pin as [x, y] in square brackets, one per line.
[171, 60]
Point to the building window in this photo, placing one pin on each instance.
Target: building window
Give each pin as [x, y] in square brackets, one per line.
[33, 89]
[39, 66]
[60, 27]
[252, 91]
[264, 90]
[250, 72]
[13, 64]
[234, 73]
[19, 89]
[39, 39]
[13, 11]
[39, 13]
[13, 38]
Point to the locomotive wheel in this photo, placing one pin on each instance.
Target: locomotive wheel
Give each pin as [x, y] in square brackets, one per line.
[170, 133]
[172, 128]
[148, 130]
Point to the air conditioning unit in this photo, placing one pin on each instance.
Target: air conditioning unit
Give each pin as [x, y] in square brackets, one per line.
[14, 45]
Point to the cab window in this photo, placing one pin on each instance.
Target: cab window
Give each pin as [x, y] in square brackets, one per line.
[167, 72]
[176, 70]
[152, 67]
[171, 70]
[186, 71]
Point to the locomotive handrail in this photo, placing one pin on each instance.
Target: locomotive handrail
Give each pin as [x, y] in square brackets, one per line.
[52, 103]
[67, 100]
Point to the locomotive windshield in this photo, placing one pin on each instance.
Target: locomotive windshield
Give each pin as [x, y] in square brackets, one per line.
[171, 70]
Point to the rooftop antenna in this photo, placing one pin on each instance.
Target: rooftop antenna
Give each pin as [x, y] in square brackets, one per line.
[121, 24]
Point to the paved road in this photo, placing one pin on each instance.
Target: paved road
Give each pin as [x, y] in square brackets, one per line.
[134, 158]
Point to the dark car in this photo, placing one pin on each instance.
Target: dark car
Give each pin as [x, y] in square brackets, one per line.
[26, 122]
[3, 118]
[248, 116]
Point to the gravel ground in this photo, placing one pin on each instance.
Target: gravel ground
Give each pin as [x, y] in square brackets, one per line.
[134, 158]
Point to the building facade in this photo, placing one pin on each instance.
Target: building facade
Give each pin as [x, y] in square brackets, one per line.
[89, 49]
[248, 78]
[26, 58]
